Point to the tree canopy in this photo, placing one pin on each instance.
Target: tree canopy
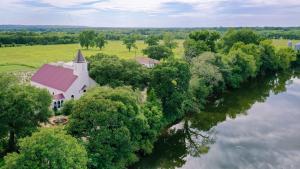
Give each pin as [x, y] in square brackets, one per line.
[48, 148]
[247, 36]
[110, 70]
[158, 52]
[129, 41]
[169, 40]
[100, 41]
[152, 40]
[206, 77]
[114, 125]
[22, 109]
[170, 82]
[87, 38]
[199, 42]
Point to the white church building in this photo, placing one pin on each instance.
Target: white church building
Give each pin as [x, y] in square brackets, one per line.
[64, 81]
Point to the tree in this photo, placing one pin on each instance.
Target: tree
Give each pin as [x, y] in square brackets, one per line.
[251, 49]
[22, 109]
[240, 66]
[67, 108]
[48, 148]
[206, 77]
[158, 52]
[110, 70]
[129, 41]
[270, 61]
[152, 40]
[247, 36]
[169, 40]
[100, 41]
[194, 48]
[209, 37]
[170, 82]
[200, 42]
[112, 122]
[286, 57]
[87, 38]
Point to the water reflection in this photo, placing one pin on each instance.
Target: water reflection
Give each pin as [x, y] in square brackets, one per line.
[223, 136]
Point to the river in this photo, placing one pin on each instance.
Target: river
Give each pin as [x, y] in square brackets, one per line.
[254, 127]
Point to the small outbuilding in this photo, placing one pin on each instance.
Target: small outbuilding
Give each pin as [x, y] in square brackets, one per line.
[147, 62]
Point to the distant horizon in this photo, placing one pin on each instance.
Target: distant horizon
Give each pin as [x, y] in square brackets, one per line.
[83, 26]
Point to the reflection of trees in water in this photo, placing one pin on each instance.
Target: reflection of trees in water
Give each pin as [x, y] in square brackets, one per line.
[197, 132]
[197, 141]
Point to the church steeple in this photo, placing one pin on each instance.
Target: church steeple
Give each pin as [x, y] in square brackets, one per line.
[80, 65]
[79, 58]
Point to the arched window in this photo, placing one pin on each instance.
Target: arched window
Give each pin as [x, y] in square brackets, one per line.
[72, 96]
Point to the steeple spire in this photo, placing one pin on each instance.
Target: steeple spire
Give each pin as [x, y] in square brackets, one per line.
[79, 57]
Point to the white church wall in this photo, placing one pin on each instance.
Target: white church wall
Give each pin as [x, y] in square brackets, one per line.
[52, 91]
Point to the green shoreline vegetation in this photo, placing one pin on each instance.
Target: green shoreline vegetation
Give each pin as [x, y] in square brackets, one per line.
[115, 122]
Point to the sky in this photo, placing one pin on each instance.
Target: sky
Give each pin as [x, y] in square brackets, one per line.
[151, 13]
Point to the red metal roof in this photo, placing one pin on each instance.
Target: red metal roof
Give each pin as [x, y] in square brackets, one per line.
[59, 96]
[56, 77]
[146, 60]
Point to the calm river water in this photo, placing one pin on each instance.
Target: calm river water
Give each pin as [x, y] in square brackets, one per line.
[254, 127]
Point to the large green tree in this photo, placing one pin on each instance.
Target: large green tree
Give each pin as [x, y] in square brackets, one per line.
[170, 82]
[22, 109]
[100, 41]
[286, 57]
[152, 40]
[114, 126]
[239, 66]
[199, 42]
[247, 36]
[209, 37]
[206, 77]
[110, 70]
[169, 40]
[270, 61]
[49, 148]
[130, 42]
[87, 38]
[158, 52]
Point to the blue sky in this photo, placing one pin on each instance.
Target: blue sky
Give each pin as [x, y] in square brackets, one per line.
[151, 13]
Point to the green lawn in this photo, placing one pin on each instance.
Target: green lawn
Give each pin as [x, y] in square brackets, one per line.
[281, 43]
[26, 58]
[31, 57]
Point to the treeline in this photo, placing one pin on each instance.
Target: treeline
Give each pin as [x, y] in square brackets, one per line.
[32, 38]
[43, 35]
[115, 123]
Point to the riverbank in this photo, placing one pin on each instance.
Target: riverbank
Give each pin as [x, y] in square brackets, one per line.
[241, 129]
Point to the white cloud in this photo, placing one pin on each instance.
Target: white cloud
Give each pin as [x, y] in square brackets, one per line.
[140, 12]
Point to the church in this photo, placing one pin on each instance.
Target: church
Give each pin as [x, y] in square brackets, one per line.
[64, 81]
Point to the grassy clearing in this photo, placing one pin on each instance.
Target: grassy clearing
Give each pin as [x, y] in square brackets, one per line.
[282, 43]
[31, 57]
[26, 58]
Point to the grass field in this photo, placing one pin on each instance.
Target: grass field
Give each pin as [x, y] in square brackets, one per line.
[281, 43]
[31, 57]
[26, 58]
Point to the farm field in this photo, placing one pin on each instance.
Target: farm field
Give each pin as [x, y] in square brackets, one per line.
[26, 58]
[31, 57]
